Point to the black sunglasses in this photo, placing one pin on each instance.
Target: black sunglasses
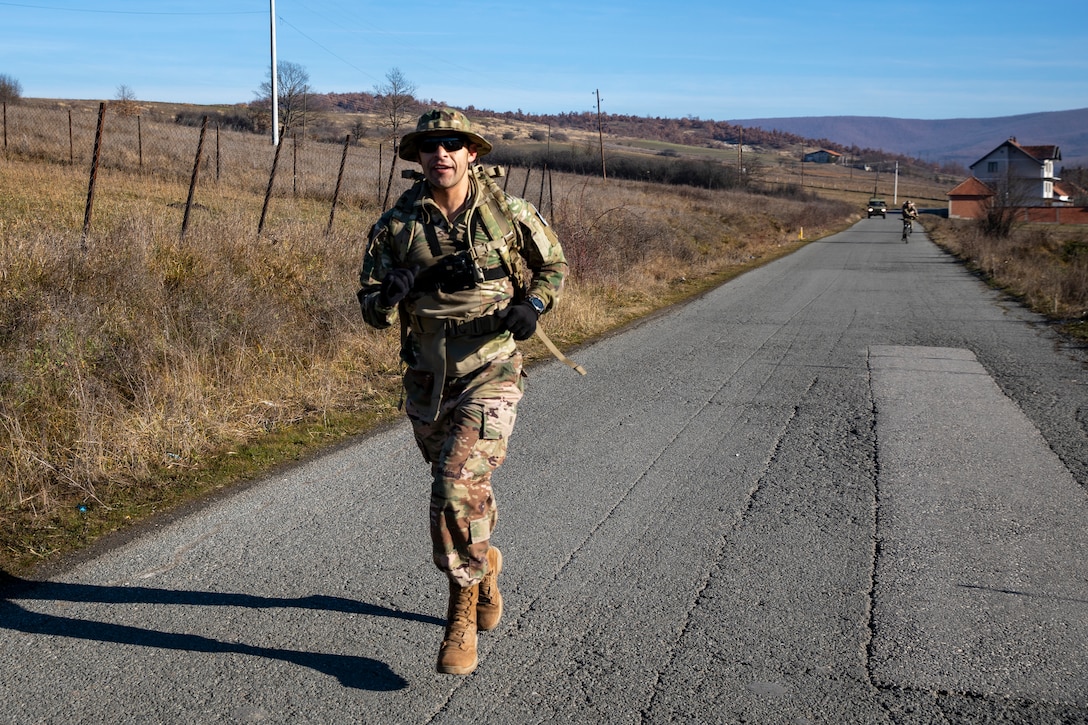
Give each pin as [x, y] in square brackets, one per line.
[450, 143]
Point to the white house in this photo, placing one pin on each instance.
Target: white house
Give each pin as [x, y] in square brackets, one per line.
[1029, 168]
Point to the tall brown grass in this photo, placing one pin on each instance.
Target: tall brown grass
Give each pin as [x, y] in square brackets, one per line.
[143, 355]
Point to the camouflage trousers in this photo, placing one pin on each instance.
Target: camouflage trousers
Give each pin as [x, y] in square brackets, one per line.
[464, 447]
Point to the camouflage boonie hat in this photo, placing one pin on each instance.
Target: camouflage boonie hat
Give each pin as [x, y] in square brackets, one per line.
[440, 122]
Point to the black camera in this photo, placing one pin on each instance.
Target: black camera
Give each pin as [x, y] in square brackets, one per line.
[455, 273]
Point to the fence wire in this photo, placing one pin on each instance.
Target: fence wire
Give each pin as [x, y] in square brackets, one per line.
[154, 144]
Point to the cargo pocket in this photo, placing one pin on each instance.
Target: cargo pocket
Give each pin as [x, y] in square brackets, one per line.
[418, 386]
[479, 530]
[498, 420]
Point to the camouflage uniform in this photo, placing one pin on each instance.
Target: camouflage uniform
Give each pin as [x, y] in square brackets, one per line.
[464, 372]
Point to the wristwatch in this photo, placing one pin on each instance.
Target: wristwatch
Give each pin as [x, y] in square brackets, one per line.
[537, 303]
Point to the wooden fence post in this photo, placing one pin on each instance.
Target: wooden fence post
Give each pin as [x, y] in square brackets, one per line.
[339, 179]
[381, 148]
[389, 182]
[94, 176]
[543, 178]
[192, 182]
[525, 188]
[551, 198]
[294, 164]
[268, 193]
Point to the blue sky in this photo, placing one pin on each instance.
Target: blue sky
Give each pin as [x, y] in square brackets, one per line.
[712, 59]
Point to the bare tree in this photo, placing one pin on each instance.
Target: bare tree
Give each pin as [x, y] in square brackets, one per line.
[999, 215]
[126, 101]
[396, 103]
[358, 130]
[10, 89]
[293, 84]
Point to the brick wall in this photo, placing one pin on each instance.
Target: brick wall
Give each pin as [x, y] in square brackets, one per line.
[972, 208]
[1057, 214]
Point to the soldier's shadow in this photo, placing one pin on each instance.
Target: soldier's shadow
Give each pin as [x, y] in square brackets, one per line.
[352, 671]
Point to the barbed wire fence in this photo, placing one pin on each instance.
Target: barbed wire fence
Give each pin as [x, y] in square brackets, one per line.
[124, 137]
[120, 137]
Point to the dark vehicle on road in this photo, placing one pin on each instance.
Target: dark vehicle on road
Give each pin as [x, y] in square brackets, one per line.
[877, 206]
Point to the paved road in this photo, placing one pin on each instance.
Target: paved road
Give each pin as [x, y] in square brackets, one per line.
[846, 487]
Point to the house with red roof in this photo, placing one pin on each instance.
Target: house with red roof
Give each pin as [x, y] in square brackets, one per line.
[969, 199]
[1029, 169]
[1024, 175]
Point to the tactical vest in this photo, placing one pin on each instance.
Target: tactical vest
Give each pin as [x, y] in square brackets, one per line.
[494, 258]
[498, 257]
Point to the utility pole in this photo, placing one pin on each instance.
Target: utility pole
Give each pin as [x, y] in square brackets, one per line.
[275, 80]
[740, 154]
[600, 134]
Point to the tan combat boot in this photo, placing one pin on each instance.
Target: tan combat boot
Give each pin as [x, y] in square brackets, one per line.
[457, 655]
[489, 610]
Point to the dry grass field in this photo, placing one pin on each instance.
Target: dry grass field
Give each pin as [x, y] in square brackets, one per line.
[1045, 266]
[140, 369]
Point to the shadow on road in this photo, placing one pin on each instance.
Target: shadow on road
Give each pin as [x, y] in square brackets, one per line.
[356, 672]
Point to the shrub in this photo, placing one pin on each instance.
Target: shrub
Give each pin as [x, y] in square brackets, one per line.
[10, 89]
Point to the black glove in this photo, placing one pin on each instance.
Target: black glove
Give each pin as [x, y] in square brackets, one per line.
[520, 319]
[395, 287]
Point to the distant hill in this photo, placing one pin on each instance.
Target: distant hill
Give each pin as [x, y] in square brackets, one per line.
[958, 140]
[949, 145]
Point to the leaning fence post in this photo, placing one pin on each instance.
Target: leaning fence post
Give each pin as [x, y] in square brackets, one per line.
[71, 143]
[94, 176]
[268, 193]
[551, 196]
[140, 140]
[379, 196]
[192, 182]
[339, 179]
[294, 164]
[525, 189]
[543, 178]
[5, 125]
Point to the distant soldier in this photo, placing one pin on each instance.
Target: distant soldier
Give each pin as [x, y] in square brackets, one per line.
[468, 269]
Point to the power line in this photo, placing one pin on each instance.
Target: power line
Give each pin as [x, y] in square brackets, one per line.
[319, 45]
[130, 12]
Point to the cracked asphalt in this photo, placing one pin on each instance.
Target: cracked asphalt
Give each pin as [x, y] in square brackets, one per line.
[848, 487]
